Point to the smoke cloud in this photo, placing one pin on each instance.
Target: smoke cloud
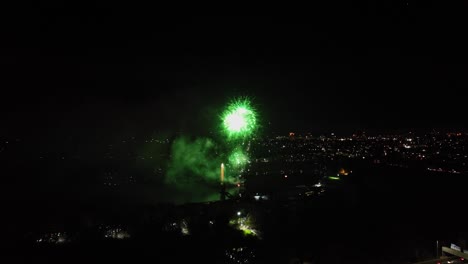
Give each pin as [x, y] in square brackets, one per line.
[193, 162]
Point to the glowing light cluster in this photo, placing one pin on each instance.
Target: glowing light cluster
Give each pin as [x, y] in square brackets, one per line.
[239, 119]
[238, 158]
[244, 223]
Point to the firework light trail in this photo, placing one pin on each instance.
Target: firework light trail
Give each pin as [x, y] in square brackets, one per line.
[222, 173]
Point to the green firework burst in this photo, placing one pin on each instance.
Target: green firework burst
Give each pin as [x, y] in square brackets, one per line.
[239, 119]
[238, 158]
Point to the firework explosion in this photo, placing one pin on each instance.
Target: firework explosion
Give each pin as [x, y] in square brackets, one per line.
[195, 164]
[238, 158]
[239, 120]
[239, 123]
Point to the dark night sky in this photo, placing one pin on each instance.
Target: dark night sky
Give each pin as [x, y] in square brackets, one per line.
[382, 66]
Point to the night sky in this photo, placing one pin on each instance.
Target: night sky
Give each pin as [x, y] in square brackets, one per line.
[110, 71]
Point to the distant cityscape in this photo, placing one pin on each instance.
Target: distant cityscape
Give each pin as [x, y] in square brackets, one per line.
[286, 175]
[435, 151]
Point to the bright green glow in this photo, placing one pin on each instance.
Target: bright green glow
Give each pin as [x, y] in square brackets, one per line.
[239, 119]
[247, 230]
[245, 224]
[333, 178]
[236, 120]
[193, 162]
[238, 158]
